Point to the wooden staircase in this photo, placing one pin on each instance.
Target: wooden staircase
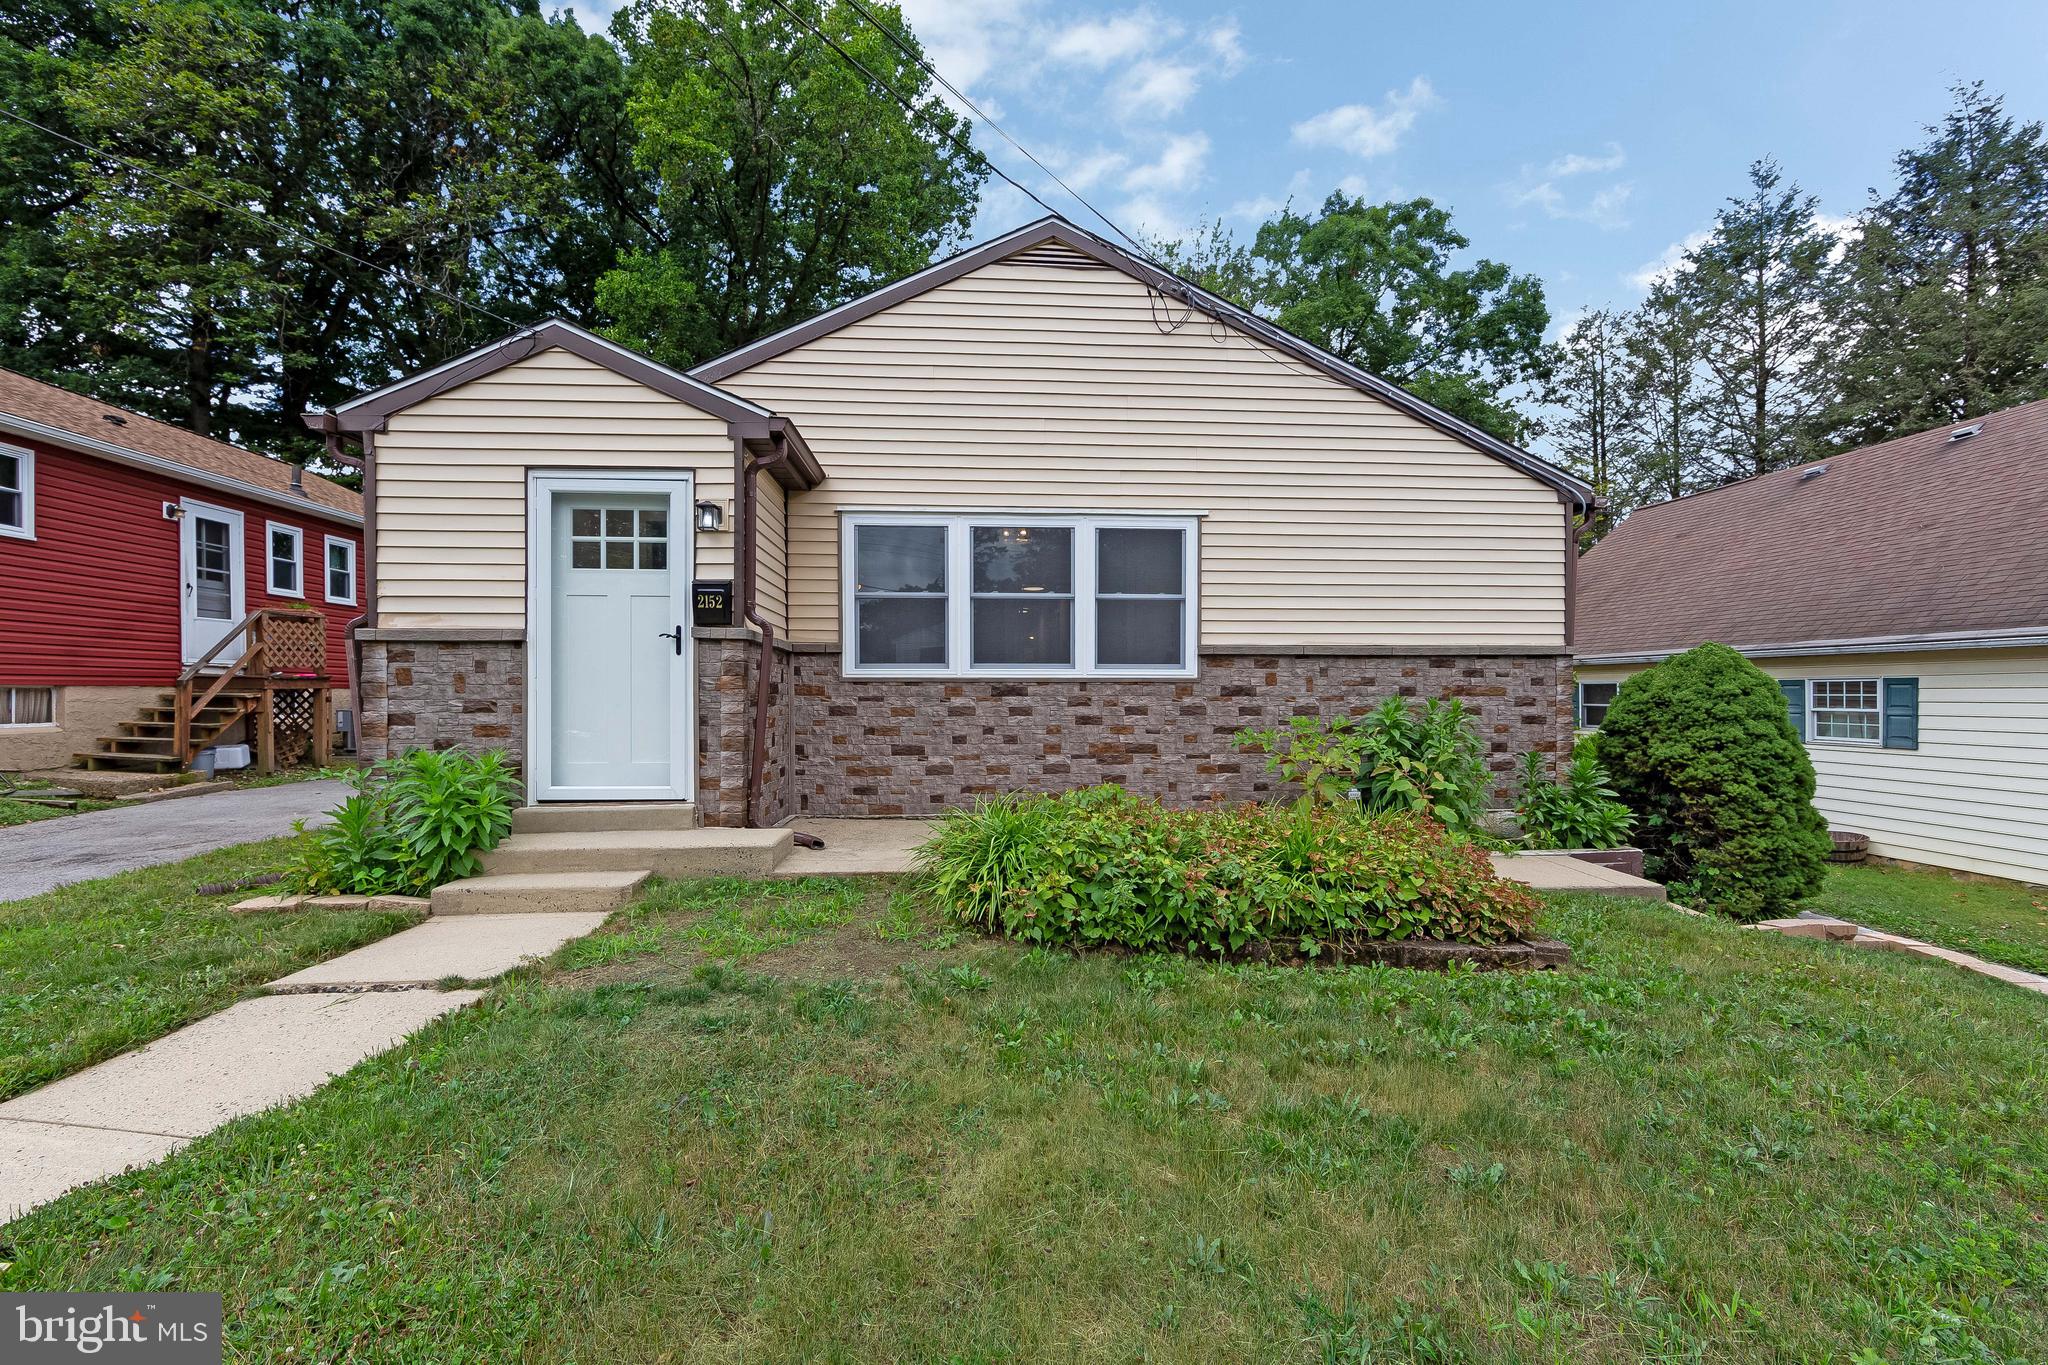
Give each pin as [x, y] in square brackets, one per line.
[279, 685]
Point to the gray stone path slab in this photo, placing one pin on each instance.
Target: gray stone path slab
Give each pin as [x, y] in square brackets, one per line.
[249, 1057]
[473, 947]
[39, 857]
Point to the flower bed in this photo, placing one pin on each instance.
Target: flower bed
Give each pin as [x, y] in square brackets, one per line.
[1102, 867]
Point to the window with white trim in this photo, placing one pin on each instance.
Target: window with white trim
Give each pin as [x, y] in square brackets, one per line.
[286, 551]
[341, 571]
[21, 706]
[1013, 594]
[1846, 710]
[1594, 699]
[17, 492]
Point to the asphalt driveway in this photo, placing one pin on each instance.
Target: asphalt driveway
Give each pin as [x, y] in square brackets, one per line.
[45, 854]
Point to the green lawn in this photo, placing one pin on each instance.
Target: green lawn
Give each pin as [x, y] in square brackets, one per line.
[96, 968]
[2002, 921]
[801, 1122]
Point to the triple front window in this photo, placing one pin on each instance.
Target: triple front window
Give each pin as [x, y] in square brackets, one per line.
[996, 594]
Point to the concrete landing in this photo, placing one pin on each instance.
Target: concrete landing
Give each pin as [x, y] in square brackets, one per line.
[145, 1104]
[1562, 872]
[856, 848]
[473, 947]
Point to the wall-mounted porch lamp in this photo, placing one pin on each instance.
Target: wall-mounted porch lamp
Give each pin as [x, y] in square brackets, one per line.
[710, 516]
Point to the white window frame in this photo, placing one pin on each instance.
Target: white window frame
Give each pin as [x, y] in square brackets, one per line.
[1814, 709]
[327, 571]
[1579, 702]
[960, 598]
[270, 530]
[27, 529]
[55, 722]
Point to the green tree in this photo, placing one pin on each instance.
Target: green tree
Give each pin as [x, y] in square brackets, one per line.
[1949, 306]
[1375, 285]
[1766, 289]
[1214, 259]
[1597, 424]
[1701, 749]
[1667, 388]
[784, 183]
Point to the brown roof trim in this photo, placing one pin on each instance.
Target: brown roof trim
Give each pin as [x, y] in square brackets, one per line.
[372, 410]
[801, 470]
[1057, 229]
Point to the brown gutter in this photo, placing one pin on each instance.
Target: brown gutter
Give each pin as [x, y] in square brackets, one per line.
[746, 471]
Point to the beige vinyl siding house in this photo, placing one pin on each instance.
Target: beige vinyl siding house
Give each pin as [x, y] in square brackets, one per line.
[1040, 516]
[1973, 795]
[1050, 382]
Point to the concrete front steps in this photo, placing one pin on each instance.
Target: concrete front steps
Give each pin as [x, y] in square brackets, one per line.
[596, 857]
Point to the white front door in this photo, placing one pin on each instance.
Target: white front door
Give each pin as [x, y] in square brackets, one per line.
[210, 579]
[609, 637]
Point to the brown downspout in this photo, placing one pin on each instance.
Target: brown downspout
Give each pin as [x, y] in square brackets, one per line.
[366, 566]
[746, 470]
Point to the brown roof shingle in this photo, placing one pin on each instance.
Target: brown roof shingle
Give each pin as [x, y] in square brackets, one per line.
[1921, 535]
[81, 416]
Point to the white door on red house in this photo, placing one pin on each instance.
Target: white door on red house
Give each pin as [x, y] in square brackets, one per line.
[211, 593]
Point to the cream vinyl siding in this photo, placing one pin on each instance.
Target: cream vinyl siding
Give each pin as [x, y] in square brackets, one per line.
[1974, 795]
[451, 481]
[1332, 518]
[771, 553]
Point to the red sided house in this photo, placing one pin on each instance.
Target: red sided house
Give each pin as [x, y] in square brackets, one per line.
[142, 568]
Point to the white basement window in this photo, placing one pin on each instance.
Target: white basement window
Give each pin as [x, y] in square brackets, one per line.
[1846, 710]
[1007, 595]
[341, 571]
[21, 706]
[287, 560]
[17, 492]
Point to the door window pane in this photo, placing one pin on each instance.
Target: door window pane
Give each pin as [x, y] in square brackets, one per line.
[618, 538]
[902, 631]
[213, 590]
[1022, 630]
[1133, 631]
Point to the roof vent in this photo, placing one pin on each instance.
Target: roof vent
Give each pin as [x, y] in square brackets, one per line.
[1813, 473]
[1965, 433]
[116, 418]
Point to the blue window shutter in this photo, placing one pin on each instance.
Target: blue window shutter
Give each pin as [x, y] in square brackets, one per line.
[1901, 713]
[1795, 703]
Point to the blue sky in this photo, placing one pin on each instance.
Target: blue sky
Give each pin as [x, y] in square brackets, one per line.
[1578, 142]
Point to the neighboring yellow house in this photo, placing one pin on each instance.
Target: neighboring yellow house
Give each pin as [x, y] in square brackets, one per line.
[1038, 516]
[1899, 594]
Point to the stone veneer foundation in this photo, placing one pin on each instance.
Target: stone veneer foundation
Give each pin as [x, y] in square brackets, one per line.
[871, 747]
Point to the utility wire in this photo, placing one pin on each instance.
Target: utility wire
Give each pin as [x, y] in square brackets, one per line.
[919, 58]
[264, 218]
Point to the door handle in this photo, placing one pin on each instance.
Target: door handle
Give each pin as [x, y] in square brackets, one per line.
[676, 635]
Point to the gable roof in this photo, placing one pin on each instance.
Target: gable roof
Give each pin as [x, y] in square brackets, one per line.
[31, 408]
[1056, 230]
[369, 411]
[1918, 537]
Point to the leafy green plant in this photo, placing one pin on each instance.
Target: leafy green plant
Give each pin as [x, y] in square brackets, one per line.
[1103, 867]
[1426, 761]
[1579, 811]
[1700, 748]
[1322, 755]
[413, 823]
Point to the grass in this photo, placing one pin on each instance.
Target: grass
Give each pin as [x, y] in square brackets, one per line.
[2003, 921]
[13, 812]
[879, 1141]
[96, 968]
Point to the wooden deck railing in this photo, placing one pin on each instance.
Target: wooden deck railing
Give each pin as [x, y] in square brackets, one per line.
[279, 684]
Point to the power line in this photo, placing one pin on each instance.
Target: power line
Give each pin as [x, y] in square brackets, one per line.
[264, 218]
[919, 58]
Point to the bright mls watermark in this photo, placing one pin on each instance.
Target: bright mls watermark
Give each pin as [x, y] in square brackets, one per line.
[169, 1329]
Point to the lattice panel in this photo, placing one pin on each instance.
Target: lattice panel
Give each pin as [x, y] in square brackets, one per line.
[293, 725]
[296, 643]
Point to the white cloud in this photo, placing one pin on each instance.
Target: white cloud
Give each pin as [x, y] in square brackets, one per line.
[1604, 208]
[1148, 216]
[1353, 185]
[1098, 43]
[1225, 40]
[1666, 267]
[1579, 163]
[1178, 168]
[1155, 89]
[1364, 130]
[1261, 207]
[1083, 172]
[969, 39]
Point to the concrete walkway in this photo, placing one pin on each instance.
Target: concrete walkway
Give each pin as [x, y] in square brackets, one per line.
[144, 1105]
[1810, 924]
[39, 857]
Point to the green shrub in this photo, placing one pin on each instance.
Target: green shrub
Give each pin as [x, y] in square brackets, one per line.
[1578, 811]
[1700, 748]
[1104, 867]
[413, 823]
[1422, 761]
